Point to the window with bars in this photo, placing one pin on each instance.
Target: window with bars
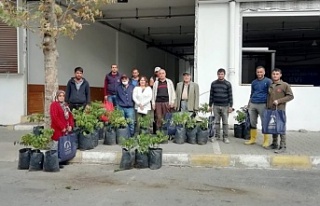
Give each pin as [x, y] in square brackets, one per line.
[8, 49]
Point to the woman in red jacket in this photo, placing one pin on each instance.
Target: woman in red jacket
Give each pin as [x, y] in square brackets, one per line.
[61, 117]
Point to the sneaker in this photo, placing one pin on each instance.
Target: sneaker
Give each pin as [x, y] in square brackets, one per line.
[280, 150]
[211, 139]
[272, 146]
[226, 140]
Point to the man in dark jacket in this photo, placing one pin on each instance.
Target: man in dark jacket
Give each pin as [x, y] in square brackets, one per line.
[221, 101]
[111, 82]
[125, 101]
[78, 90]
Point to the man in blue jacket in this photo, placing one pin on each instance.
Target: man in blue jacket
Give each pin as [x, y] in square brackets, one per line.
[257, 104]
[125, 102]
[78, 90]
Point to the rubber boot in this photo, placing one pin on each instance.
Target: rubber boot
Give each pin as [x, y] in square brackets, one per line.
[283, 146]
[274, 144]
[265, 141]
[253, 137]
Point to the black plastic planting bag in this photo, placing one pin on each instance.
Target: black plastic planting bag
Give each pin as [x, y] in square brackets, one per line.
[51, 161]
[127, 159]
[142, 160]
[238, 130]
[36, 160]
[85, 141]
[155, 158]
[122, 133]
[95, 137]
[110, 137]
[192, 135]
[180, 135]
[144, 131]
[24, 158]
[202, 136]
[37, 130]
[102, 132]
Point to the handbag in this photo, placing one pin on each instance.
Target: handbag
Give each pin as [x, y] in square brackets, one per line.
[247, 123]
[109, 108]
[211, 125]
[274, 122]
[67, 147]
[171, 128]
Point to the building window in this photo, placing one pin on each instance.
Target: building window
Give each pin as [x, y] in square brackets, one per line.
[291, 43]
[8, 49]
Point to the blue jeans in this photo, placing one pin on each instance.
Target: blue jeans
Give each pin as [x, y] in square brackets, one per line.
[129, 113]
[112, 99]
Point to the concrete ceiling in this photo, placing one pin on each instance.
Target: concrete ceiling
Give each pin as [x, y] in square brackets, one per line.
[167, 24]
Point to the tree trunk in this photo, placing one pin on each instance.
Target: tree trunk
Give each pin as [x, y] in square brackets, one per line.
[50, 57]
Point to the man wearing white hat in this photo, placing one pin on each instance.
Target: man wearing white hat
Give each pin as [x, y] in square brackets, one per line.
[154, 77]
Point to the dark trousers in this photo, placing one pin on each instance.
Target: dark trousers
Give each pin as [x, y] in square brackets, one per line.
[161, 109]
[76, 106]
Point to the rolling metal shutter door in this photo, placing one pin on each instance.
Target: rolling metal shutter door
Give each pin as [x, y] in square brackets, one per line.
[8, 49]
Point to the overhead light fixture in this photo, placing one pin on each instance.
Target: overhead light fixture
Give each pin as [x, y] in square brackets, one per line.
[314, 43]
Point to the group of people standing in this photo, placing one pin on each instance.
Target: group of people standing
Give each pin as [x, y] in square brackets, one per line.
[137, 96]
[265, 94]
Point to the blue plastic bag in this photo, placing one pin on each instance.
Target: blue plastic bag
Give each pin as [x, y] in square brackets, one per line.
[67, 147]
[274, 122]
[169, 125]
[247, 124]
[211, 126]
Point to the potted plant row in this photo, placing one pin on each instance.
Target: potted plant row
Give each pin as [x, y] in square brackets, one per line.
[88, 124]
[31, 157]
[142, 151]
[189, 129]
[117, 127]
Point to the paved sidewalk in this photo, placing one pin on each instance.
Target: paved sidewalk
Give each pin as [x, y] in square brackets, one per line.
[302, 152]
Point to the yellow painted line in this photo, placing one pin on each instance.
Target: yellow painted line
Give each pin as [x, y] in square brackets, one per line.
[210, 160]
[291, 161]
[77, 158]
[118, 158]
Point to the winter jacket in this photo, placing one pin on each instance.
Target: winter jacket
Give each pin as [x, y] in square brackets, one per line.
[171, 91]
[124, 96]
[111, 82]
[58, 120]
[81, 96]
[193, 96]
[280, 91]
[142, 97]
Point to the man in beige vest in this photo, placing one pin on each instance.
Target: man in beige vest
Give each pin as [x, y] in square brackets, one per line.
[187, 95]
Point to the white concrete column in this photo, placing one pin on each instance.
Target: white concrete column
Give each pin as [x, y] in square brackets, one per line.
[231, 65]
[195, 56]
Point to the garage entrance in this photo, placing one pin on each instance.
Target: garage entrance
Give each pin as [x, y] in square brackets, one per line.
[164, 24]
[295, 41]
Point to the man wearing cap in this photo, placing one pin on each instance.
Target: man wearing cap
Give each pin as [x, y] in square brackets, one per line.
[187, 95]
[125, 103]
[163, 98]
[111, 82]
[154, 77]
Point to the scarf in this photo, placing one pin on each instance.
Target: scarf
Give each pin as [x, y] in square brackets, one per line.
[65, 109]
